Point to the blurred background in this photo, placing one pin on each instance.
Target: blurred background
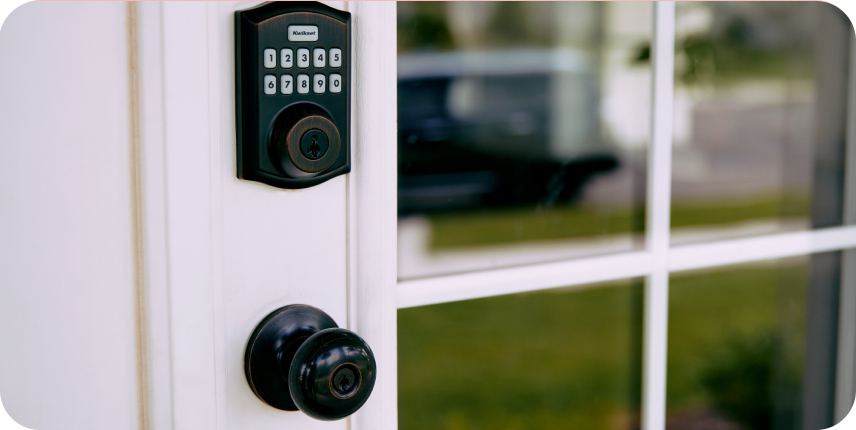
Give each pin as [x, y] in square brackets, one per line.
[523, 137]
[522, 131]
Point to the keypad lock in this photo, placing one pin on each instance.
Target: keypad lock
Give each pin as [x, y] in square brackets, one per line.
[292, 82]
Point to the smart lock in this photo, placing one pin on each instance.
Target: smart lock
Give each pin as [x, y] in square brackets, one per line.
[292, 83]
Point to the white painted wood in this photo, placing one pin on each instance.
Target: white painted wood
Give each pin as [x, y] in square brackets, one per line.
[658, 209]
[278, 247]
[761, 248]
[159, 411]
[372, 206]
[217, 129]
[68, 295]
[427, 291]
[188, 152]
[535, 277]
[231, 251]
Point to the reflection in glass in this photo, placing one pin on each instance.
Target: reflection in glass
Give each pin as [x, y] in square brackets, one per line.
[522, 130]
[759, 125]
[559, 359]
[753, 346]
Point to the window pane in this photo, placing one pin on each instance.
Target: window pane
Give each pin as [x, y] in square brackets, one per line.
[558, 359]
[754, 346]
[759, 118]
[521, 132]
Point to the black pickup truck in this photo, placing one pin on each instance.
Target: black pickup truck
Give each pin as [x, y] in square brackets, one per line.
[501, 128]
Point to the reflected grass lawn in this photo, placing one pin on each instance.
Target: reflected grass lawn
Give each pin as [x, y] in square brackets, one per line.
[710, 311]
[571, 359]
[528, 361]
[524, 224]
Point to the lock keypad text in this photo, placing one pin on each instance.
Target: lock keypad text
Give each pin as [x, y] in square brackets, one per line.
[305, 60]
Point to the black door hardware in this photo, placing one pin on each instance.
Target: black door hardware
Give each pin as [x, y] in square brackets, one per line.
[298, 359]
[292, 93]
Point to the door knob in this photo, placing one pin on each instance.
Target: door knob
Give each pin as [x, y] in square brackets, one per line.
[299, 359]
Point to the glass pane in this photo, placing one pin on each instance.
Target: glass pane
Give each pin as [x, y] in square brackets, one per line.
[753, 346]
[559, 359]
[759, 124]
[522, 128]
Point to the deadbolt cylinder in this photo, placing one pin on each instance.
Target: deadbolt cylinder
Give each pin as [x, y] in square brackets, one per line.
[304, 145]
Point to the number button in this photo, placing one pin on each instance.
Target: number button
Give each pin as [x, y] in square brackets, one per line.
[303, 58]
[319, 82]
[270, 58]
[270, 84]
[335, 83]
[318, 57]
[335, 57]
[303, 84]
[286, 58]
[286, 84]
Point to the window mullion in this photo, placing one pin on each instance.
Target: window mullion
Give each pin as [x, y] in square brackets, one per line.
[657, 213]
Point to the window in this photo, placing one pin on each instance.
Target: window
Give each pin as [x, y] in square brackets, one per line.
[610, 213]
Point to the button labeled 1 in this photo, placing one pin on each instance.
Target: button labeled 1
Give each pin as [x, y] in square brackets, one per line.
[270, 58]
[335, 83]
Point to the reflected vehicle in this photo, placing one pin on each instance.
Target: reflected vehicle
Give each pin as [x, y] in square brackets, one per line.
[497, 128]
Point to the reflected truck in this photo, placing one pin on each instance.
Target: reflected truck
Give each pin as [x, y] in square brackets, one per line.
[497, 128]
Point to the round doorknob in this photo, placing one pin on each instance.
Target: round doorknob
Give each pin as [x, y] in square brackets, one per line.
[332, 374]
[298, 359]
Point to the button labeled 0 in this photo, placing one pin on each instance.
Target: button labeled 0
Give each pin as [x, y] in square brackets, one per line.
[335, 83]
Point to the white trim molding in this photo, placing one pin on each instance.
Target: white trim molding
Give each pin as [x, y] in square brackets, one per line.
[372, 211]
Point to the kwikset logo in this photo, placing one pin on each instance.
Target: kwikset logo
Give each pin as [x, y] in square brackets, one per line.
[302, 33]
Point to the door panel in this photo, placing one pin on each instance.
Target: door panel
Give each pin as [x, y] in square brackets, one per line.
[279, 248]
[70, 299]
[237, 250]
[160, 262]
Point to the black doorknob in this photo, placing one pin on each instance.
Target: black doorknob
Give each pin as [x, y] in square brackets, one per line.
[298, 359]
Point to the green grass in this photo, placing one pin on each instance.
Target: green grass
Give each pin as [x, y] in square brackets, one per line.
[528, 361]
[710, 312]
[571, 359]
[526, 224]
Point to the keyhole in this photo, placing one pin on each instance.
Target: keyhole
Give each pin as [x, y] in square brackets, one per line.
[314, 149]
[345, 381]
[313, 145]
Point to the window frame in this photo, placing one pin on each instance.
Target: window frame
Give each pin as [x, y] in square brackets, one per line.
[659, 258]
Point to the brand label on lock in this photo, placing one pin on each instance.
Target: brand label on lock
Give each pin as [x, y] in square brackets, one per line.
[302, 33]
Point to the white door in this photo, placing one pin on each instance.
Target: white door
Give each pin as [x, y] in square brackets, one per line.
[137, 263]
